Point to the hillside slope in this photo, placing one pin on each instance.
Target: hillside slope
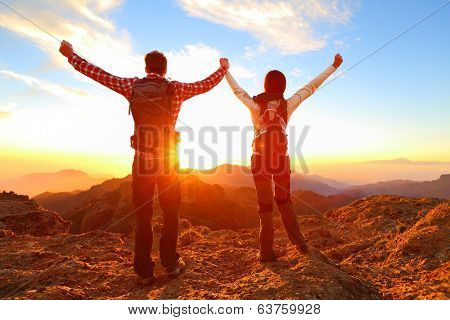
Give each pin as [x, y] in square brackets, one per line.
[64, 202]
[108, 205]
[403, 245]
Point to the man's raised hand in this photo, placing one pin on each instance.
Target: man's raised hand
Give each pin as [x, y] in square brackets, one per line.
[337, 60]
[224, 63]
[66, 49]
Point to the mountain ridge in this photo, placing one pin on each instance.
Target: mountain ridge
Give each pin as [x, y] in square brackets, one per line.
[37, 183]
[405, 161]
[439, 188]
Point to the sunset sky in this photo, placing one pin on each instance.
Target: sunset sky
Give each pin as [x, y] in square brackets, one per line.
[394, 104]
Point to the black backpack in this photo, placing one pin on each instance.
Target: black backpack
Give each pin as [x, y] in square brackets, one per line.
[151, 107]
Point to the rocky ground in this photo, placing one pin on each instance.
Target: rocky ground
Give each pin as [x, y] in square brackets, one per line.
[220, 265]
[375, 248]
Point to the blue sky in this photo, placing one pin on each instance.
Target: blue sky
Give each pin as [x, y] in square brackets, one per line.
[395, 104]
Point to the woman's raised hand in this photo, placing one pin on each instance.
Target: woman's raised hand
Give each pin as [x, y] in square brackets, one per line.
[225, 63]
[337, 60]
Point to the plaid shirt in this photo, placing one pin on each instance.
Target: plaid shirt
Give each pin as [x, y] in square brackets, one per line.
[124, 86]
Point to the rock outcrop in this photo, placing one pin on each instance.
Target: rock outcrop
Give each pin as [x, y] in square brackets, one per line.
[402, 244]
[18, 216]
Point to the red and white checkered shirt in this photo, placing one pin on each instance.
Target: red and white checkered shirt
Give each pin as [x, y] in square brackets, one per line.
[124, 86]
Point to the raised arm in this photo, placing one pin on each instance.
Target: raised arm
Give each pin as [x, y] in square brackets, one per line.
[305, 92]
[188, 90]
[124, 86]
[240, 93]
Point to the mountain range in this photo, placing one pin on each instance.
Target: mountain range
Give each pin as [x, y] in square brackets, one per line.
[439, 188]
[404, 161]
[36, 183]
[241, 176]
[71, 184]
[104, 205]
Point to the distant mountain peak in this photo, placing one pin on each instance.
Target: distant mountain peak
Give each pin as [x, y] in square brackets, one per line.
[63, 173]
[401, 160]
[60, 181]
[404, 161]
[392, 161]
[72, 171]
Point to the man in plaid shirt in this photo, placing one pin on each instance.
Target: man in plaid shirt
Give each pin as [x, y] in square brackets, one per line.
[143, 185]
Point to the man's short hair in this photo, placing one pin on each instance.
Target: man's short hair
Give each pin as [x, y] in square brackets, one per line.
[156, 62]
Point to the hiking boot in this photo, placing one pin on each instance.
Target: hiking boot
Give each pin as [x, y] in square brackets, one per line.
[176, 270]
[302, 246]
[267, 258]
[146, 281]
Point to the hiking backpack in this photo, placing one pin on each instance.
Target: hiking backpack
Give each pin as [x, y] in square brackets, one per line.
[270, 137]
[151, 107]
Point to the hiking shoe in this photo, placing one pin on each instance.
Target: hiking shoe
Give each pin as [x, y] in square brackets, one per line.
[267, 258]
[146, 281]
[177, 269]
[302, 246]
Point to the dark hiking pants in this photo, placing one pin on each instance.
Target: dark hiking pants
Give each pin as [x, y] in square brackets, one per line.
[146, 175]
[263, 175]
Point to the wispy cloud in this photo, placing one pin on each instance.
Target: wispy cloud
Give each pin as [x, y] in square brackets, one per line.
[41, 85]
[296, 72]
[86, 25]
[286, 25]
[341, 44]
[188, 62]
[83, 23]
[90, 9]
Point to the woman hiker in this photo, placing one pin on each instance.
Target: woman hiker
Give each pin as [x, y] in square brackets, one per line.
[270, 113]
